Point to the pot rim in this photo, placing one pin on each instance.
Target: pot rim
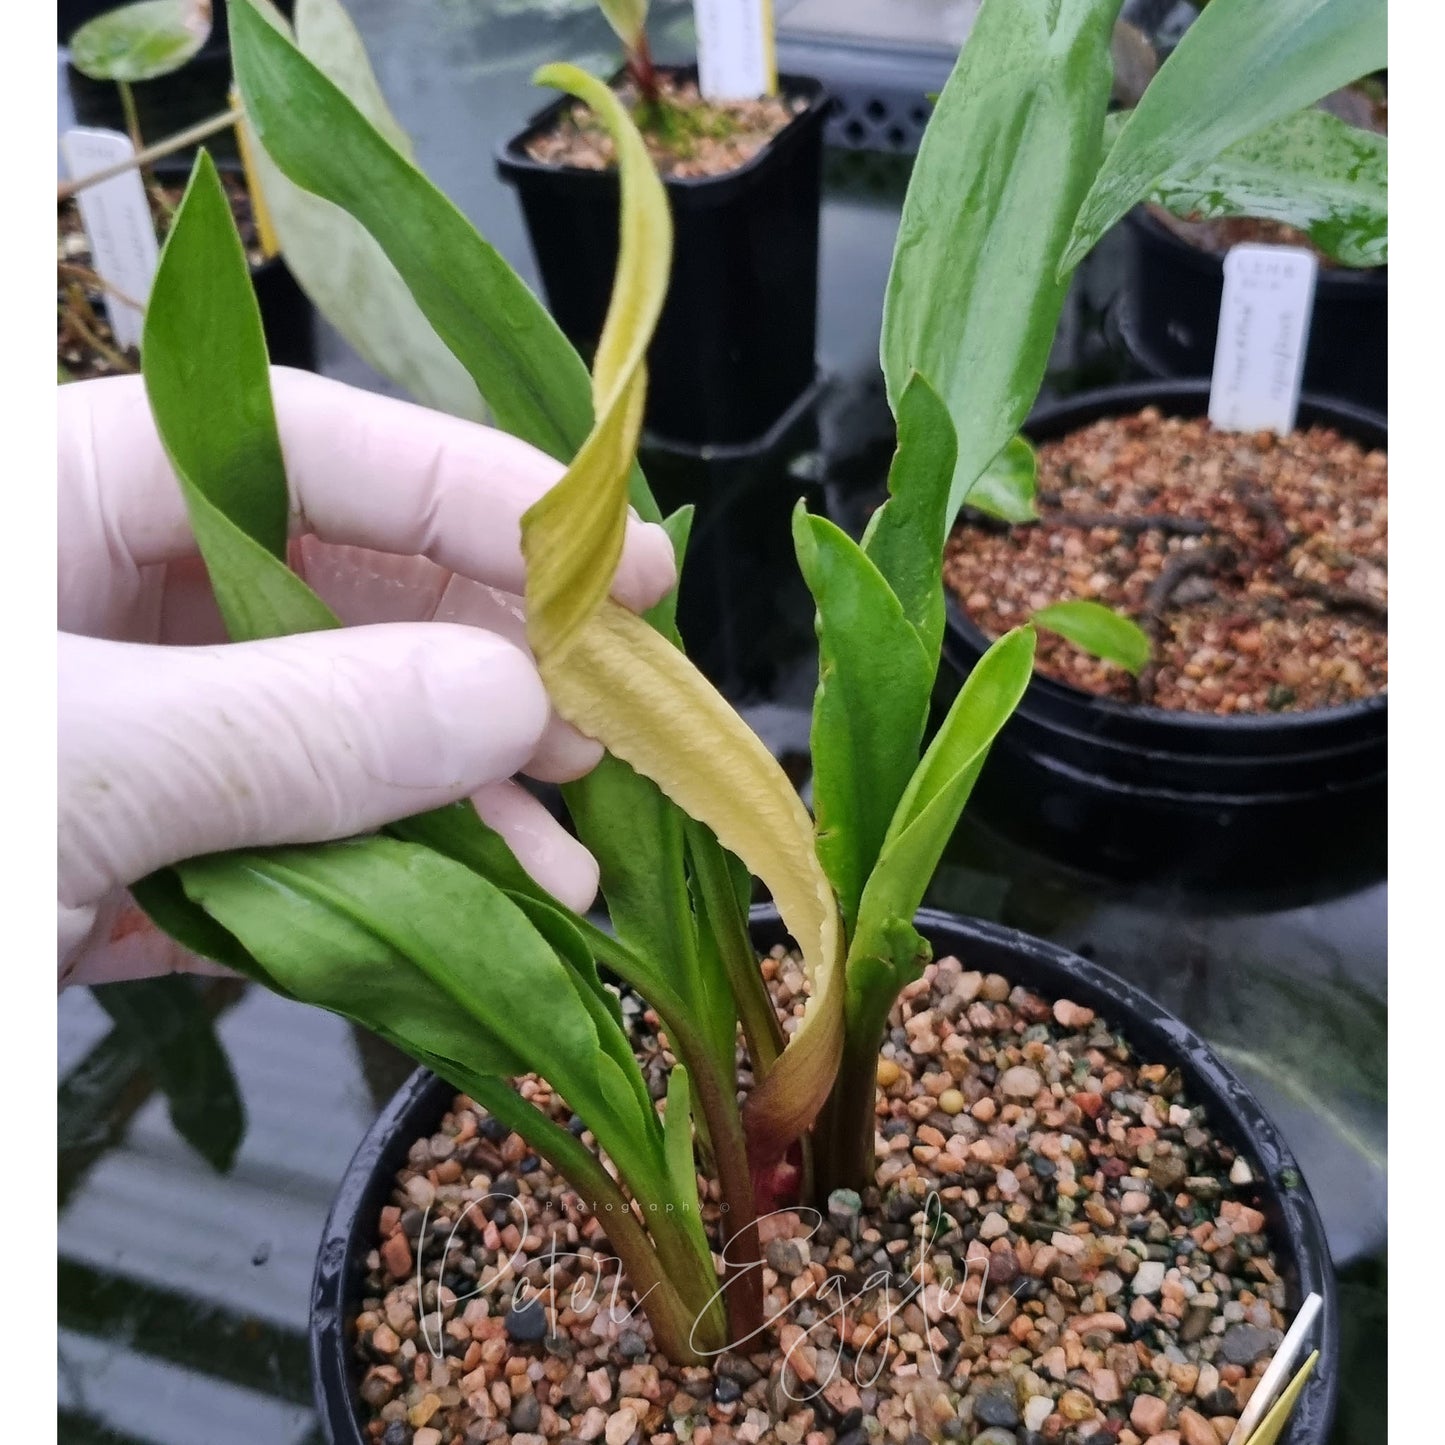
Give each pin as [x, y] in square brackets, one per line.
[1358, 281]
[1061, 418]
[1233, 1110]
[511, 154]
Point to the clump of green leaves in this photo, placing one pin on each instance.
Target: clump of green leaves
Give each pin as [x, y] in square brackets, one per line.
[1010, 188]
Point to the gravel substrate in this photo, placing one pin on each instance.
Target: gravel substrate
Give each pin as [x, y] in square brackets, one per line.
[1070, 1256]
[704, 138]
[1256, 563]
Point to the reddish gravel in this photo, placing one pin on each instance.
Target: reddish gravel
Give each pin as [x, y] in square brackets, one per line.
[1257, 563]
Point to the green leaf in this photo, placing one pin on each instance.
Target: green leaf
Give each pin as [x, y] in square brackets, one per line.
[1311, 171]
[459, 833]
[636, 835]
[663, 616]
[524, 368]
[430, 954]
[166, 1025]
[732, 981]
[681, 1161]
[1241, 65]
[905, 536]
[973, 300]
[337, 264]
[929, 812]
[164, 901]
[142, 41]
[627, 17]
[874, 681]
[1099, 630]
[204, 359]
[1006, 488]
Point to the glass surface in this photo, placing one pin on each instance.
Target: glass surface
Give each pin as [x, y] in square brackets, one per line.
[183, 1294]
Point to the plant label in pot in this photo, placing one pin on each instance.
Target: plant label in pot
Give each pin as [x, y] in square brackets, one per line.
[735, 48]
[117, 220]
[1264, 327]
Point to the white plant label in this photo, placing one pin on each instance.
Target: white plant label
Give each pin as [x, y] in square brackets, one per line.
[735, 52]
[1264, 328]
[117, 220]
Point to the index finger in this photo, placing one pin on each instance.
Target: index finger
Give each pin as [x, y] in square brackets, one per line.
[363, 469]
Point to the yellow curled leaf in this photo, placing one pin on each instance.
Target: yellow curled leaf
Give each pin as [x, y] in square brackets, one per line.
[619, 681]
[572, 537]
[627, 686]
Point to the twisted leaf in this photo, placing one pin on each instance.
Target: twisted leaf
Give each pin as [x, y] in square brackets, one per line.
[572, 537]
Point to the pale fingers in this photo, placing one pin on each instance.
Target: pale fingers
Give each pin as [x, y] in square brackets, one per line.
[363, 469]
[541, 845]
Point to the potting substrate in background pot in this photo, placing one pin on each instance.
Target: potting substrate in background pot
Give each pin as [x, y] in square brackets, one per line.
[732, 359]
[1276, 1187]
[1171, 318]
[287, 316]
[1149, 793]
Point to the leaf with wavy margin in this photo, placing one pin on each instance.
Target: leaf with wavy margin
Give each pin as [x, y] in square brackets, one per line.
[572, 537]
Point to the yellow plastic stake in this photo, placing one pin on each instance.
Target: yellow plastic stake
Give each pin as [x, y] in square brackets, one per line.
[246, 144]
[1272, 1426]
[770, 45]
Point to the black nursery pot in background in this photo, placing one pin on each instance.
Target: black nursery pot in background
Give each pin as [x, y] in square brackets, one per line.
[733, 354]
[1173, 292]
[1294, 1223]
[1148, 793]
[195, 92]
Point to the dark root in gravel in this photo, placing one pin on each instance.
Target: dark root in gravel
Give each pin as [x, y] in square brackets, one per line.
[1257, 564]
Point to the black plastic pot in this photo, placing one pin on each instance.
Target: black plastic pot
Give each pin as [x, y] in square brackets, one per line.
[1282, 1195]
[168, 104]
[1149, 793]
[1171, 322]
[733, 356]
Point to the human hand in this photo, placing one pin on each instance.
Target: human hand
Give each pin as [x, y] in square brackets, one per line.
[174, 742]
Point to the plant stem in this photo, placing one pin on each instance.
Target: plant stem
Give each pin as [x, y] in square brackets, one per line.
[744, 1279]
[192, 135]
[843, 1140]
[652, 1277]
[729, 924]
[132, 115]
[644, 72]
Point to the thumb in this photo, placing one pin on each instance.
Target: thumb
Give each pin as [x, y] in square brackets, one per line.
[170, 752]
